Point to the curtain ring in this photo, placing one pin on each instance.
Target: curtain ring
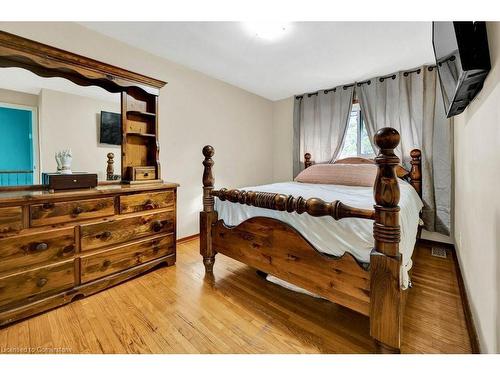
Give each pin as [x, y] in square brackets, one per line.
[329, 90]
[381, 79]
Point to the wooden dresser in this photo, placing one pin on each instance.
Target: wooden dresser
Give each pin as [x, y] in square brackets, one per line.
[57, 247]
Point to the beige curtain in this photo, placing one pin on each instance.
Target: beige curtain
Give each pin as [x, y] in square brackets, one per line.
[411, 102]
[320, 122]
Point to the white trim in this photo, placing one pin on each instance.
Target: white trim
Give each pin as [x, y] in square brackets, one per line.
[35, 135]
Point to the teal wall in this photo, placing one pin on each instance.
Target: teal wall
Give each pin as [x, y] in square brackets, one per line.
[16, 146]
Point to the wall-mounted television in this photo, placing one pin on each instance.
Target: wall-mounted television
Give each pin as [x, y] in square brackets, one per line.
[110, 128]
[463, 61]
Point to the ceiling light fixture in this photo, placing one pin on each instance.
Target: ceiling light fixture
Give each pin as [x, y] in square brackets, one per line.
[267, 30]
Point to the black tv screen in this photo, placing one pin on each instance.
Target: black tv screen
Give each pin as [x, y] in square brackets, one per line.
[463, 61]
[111, 128]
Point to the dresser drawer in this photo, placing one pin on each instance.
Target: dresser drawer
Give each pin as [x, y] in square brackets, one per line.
[27, 286]
[144, 173]
[96, 235]
[32, 249]
[119, 258]
[147, 201]
[11, 220]
[62, 212]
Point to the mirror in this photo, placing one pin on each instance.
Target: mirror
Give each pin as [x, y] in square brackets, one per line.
[42, 116]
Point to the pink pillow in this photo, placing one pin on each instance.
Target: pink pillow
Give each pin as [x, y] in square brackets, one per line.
[339, 174]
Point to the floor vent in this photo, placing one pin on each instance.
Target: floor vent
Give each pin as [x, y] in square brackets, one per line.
[439, 252]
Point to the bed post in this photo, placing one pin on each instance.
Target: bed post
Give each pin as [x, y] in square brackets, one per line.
[385, 260]
[208, 216]
[307, 160]
[416, 170]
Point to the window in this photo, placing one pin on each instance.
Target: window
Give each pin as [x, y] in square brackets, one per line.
[356, 142]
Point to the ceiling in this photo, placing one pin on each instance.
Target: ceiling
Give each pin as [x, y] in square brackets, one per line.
[309, 56]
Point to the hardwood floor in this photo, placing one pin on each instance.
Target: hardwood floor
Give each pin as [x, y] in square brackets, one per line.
[177, 310]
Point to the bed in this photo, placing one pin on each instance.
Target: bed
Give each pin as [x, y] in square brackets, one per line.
[350, 245]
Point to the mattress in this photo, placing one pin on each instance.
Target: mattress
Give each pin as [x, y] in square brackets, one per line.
[352, 235]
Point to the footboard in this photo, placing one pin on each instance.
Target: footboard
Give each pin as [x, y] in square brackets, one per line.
[276, 248]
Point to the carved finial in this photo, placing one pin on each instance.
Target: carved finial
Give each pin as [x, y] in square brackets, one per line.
[415, 154]
[386, 193]
[110, 170]
[416, 170]
[208, 179]
[208, 151]
[386, 189]
[387, 139]
[307, 160]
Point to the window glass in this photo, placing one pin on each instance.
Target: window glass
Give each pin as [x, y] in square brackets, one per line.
[356, 142]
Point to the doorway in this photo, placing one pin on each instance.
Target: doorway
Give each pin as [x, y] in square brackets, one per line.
[18, 145]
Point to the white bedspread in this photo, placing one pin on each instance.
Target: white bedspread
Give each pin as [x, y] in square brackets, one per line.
[326, 234]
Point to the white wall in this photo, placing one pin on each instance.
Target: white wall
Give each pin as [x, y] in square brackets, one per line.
[72, 121]
[477, 202]
[19, 98]
[283, 140]
[194, 110]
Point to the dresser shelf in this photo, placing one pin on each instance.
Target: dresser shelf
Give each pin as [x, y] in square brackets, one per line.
[142, 113]
[140, 146]
[141, 134]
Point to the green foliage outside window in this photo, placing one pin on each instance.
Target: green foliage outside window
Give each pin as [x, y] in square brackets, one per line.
[356, 142]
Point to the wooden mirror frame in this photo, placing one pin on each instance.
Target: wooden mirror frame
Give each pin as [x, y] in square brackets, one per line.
[48, 61]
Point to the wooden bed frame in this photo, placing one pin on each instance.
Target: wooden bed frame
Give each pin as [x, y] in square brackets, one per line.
[276, 248]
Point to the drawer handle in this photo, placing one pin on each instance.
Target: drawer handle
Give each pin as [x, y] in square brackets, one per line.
[106, 264]
[77, 210]
[104, 235]
[48, 206]
[155, 246]
[149, 205]
[158, 225]
[68, 249]
[41, 282]
[41, 246]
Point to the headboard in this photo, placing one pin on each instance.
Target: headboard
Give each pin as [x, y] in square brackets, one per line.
[413, 176]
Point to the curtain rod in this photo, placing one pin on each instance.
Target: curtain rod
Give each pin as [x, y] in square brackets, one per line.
[369, 81]
[326, 91]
